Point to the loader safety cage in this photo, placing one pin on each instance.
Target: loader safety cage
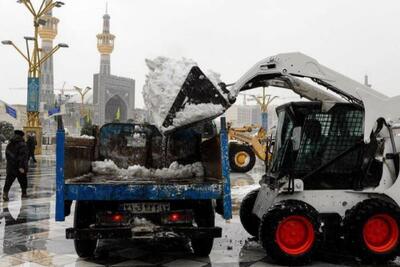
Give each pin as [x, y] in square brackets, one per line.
[329, 146]
[151, 191]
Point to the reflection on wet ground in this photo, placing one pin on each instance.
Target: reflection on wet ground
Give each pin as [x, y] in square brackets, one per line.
[29, 236]
[242, 183]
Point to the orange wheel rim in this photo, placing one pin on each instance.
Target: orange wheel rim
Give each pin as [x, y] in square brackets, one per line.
[295, 235]
[242, 159]
[381, 233]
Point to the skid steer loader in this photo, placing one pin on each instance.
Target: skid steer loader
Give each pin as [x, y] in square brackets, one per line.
[334, 172]
[334, 175]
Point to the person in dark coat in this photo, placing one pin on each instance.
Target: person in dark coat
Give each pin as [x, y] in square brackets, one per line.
[17, 164]
[31, 143]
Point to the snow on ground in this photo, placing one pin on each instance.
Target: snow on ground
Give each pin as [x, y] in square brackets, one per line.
[239, 192]
[243, 183]
[163, 83]
[175, 170]
[142, 221]
[83, 136]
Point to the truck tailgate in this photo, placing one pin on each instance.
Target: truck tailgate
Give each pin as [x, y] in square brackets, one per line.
[97, 187]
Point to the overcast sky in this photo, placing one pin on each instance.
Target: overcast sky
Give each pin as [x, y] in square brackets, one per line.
[352, 37]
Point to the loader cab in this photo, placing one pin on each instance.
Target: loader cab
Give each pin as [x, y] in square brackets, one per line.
[320, 143]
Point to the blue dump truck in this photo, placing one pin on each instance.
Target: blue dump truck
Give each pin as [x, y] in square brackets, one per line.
[108, 207]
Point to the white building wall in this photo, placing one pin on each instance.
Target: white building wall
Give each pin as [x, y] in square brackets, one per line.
[240, 115]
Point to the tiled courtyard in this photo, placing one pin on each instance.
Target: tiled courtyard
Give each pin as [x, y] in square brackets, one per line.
[29, 235]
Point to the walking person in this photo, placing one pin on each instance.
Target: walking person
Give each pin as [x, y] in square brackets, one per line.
[31, 143]
[17, 164]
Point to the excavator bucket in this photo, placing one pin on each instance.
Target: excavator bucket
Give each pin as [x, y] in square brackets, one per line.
[198, 100]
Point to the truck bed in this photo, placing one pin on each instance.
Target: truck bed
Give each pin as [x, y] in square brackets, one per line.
[107, 179]
[76, 181]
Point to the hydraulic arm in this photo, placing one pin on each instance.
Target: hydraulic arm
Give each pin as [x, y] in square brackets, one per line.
[284, 70]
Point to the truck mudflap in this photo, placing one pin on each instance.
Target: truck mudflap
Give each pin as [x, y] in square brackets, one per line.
[128, 232]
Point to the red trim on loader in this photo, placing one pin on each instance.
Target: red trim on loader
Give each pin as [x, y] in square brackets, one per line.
[295, 235]
[381, 233]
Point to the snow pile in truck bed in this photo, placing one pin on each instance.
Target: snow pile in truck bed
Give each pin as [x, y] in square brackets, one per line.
[105, 167]
[175, 170]
[163, 83]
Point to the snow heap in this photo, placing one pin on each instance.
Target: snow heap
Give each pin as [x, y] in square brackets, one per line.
[175, 170]
[85, 136]
[192, 113]
[163, 83]
[105, 167]
[142, 222]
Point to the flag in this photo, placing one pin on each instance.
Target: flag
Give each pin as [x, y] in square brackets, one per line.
[11, 111]
[33, 94]
[118, 115]
[88, 117]
[56, 111]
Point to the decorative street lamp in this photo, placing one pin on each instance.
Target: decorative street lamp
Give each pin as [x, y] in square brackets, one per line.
[82, 92]
[34, 60]
[264, 102]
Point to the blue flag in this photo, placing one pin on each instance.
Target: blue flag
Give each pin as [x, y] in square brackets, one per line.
[56, 111]
[11, 111]
[33, 94]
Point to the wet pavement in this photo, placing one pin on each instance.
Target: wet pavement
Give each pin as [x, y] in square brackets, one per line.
[29, 235]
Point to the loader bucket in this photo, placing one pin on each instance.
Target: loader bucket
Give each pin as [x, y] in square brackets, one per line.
[198, 100]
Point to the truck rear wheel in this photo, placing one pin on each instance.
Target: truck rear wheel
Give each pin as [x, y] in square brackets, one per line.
[289, 232]
[241, 157]
[372, 231]
[204, 216]
[248, 219]
[84, 216]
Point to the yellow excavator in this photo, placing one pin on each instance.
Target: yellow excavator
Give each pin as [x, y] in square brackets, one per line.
[245, 146]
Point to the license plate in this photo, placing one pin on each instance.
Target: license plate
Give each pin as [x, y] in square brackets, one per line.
[146, 207]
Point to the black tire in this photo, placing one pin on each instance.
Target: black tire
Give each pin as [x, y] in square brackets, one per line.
[248, 219]
[234, 149]
[278, 215]
[204, 216]
[84, 216]
[354, 222]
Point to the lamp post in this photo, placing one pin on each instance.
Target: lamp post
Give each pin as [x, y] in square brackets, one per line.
[34, 60]
[82, 92]
[264, 102]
